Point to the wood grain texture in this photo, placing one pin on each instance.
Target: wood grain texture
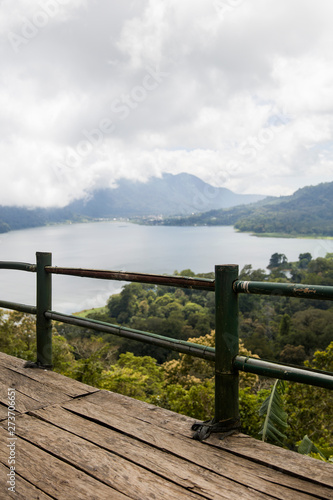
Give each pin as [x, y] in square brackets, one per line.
[240, 445]
[109, 467]
[253, 475]
[53, 476]
[167, 465]
[23, 489]
[68, 386]
[75, 441]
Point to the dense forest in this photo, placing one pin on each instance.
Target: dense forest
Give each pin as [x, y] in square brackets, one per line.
[295, 331]
[306, 212]
[13, 218]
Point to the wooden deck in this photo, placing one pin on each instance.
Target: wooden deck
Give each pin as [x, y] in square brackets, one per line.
[77, 442]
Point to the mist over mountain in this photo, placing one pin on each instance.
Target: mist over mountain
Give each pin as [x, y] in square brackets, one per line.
[180, 194]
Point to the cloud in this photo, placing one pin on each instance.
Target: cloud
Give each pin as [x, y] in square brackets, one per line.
[236, 92]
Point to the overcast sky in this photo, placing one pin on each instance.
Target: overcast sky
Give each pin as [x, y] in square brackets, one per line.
[237, 92]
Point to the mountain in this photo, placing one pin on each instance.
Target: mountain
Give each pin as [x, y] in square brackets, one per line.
[309, 211]
[180, 194]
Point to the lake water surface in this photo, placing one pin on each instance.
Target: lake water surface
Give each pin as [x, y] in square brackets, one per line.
[131, 247]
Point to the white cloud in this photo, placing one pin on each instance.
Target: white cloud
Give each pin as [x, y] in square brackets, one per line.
[236, 92]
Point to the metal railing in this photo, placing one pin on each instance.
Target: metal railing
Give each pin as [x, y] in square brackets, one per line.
[228, 362]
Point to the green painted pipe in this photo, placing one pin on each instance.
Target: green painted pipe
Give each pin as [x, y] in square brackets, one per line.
[284, 289]
[182, 346]
[44, 303]
[18, 266]
[18, 307]
[284, 372]
[226, 344]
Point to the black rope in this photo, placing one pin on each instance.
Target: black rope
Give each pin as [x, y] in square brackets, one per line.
[225, 427]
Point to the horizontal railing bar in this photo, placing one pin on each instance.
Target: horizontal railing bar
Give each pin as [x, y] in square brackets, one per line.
[18, 307]
[284, 372]
[284, 289]
[243, 363]
[154, 279]
[182, 346]
[19, 266]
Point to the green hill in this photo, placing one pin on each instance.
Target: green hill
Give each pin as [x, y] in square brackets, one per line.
[309, 211]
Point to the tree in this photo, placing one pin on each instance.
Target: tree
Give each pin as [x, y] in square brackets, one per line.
[304, 259]
[294, 355]
[92, 356]
[18, 334]
[18, 338]
[284, 326]
[312, 328]
[277, 260]
[134, 376]
[63, 359]
[309, 408]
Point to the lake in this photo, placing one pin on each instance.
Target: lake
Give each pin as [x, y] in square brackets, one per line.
[122, 246]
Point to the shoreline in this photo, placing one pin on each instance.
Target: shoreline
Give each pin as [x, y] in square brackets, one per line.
[135, 221]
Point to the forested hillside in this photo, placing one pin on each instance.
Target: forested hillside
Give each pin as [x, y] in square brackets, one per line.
[296, 331]
[307, 212]
[13, 218]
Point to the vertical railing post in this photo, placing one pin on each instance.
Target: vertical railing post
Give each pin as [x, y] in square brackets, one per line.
[44, 303]
[226, 344]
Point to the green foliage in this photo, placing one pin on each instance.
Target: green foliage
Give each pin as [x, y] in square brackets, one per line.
[62, 355]
[279, 328]
[93, 354]
[250, 402]
[137, 377]
[293, 355]
[310, 409]
[162, 310]
[197, 401]
[18, 334]
[307, 447]
[312, 328]
[278, 260]
[275, 416]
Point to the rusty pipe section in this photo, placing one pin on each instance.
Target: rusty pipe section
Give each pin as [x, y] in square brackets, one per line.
[153, 279]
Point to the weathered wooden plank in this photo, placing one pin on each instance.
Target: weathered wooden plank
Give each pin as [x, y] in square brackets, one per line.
[167, 465]
[23, 489]
[23, 402]
[40, 394]
[239, 444]
[145, 438]
[55, 477]
[68, 386]
[256, 476]
[115, 471]
[3, 407]
[274, 456]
